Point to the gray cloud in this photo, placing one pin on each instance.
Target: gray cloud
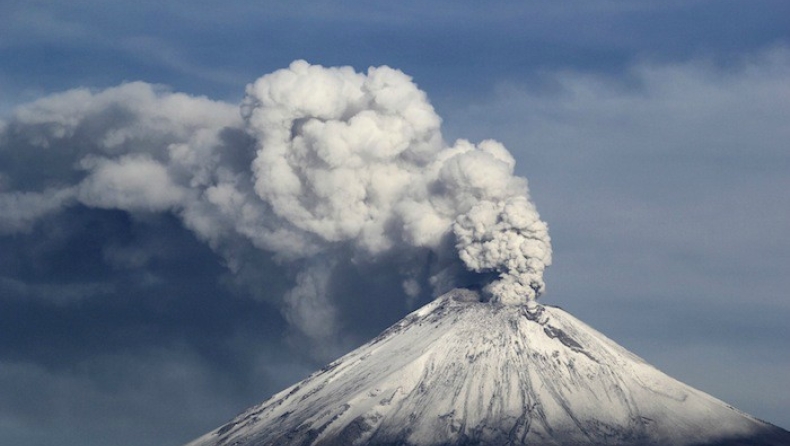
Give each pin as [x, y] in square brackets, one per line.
[22, 209]
[103, 313]
[340, 164]
[170, 393]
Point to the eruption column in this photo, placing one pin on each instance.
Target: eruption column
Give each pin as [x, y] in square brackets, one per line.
[325, 170]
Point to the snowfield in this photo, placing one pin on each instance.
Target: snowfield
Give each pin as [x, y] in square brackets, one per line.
[464, 372]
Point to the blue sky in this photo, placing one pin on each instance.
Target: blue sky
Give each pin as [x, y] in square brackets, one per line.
[653, 135]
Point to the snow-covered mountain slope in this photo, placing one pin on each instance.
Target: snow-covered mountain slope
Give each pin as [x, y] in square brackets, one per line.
[464, 372]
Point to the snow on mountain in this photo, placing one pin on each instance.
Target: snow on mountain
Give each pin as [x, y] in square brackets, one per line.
[464, 372]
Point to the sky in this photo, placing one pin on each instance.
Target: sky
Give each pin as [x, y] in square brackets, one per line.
[653, 135]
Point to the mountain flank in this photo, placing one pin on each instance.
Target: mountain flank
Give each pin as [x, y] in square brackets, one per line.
[462, 372]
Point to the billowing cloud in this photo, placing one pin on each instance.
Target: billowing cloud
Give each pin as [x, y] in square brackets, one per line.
[129, 183]
[359, 159]
[320, 164]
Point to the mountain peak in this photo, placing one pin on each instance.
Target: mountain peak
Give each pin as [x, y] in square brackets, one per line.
[460, 371]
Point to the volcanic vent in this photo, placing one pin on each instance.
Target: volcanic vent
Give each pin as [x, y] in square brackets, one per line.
[464, 372]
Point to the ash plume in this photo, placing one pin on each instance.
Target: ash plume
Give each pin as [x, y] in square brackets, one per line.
[320, 164]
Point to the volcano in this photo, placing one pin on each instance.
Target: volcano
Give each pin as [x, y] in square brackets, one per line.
[460, 371]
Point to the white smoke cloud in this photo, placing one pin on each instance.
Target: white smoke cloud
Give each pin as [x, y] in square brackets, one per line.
[320, 163]
[338, 150]
[129, 183]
